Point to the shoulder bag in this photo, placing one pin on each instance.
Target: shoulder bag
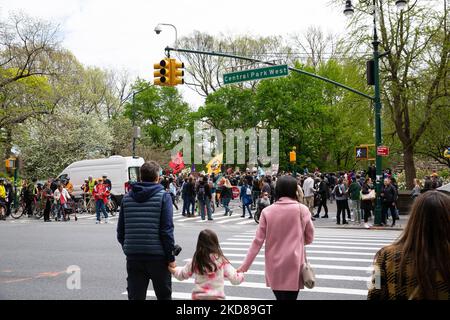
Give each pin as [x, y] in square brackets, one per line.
[309, 277]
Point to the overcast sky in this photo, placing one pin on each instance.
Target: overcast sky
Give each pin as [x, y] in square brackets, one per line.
[119, 34]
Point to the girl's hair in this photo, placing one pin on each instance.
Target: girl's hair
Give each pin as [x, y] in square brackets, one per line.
[426, 242]
[207, 244]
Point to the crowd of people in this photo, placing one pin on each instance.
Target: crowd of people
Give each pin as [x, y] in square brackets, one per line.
[55, 196]
[414, 267]
[353, 191]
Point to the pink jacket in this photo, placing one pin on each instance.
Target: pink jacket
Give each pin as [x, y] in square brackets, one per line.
[281, 229]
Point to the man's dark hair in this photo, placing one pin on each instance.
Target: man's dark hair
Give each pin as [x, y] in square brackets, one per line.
[149, 171]
[286, 187]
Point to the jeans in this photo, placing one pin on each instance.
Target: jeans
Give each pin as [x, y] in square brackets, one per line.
[226, 202]
[346, 208]
[285, 295]
[173, 200]
[61, 210]
[185, 206]
[202, 204]
[141, 272]
[100, 206]
[356, 207]
[248, 208]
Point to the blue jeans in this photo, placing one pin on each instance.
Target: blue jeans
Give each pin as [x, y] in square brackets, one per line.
[202, 205]
[187, 203]
[100, 206]
[248, 208]
[226, 202]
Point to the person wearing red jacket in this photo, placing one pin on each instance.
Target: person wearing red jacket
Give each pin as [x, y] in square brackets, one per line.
[101, 194]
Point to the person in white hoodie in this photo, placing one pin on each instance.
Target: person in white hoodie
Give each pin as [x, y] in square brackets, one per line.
[61, 196]
[308, 190]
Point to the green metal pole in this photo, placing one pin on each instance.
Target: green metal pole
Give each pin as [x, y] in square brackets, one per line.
[377, 101]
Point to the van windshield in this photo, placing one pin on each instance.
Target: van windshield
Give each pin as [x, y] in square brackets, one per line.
[133, 174]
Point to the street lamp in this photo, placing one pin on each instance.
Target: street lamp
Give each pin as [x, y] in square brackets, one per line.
[348, 11]
[158, 30]
[136, 130]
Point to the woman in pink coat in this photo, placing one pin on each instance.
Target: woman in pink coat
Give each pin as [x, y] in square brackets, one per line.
[285, 235]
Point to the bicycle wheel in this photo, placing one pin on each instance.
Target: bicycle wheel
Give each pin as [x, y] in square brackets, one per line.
[112, 207]
[81, 206]
[256, 216]
[91, 207]
[16, 213]
[38, 213]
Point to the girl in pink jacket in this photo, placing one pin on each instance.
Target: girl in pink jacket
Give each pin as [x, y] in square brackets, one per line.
[286, 228]
[209, 267]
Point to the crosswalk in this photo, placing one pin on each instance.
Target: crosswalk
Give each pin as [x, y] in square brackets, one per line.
[341, 259]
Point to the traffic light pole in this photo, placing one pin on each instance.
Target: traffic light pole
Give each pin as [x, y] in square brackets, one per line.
[375, 99]
[377, 102]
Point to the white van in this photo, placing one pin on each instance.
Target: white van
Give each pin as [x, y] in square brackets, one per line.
[120, 170]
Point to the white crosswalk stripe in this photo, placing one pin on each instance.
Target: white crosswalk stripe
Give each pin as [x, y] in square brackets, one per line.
[342, 272]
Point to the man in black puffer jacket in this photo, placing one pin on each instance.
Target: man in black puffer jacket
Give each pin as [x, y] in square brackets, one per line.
[145, 231]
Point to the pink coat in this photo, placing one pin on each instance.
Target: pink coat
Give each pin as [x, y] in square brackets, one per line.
[280, 227]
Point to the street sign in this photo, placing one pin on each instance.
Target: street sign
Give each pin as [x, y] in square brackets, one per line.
[361, 153]
[255, 74]
[383, 151]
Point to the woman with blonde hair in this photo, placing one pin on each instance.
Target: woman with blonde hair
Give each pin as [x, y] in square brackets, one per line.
[417, 266]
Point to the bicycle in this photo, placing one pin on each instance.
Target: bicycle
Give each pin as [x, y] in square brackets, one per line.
[36, 211]
[84, 205]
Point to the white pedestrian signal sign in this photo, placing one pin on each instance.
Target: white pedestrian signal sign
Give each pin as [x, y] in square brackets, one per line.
[361, 153]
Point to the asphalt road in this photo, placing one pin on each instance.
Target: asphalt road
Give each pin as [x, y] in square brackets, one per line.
[34, 258]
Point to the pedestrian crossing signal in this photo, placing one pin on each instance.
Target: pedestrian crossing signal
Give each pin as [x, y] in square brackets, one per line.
[361, 153]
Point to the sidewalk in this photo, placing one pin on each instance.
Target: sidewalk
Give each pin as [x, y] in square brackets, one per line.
[331, 221]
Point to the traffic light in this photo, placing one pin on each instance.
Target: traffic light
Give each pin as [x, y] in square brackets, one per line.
[176, 74]
[292, 156]
[162, 73]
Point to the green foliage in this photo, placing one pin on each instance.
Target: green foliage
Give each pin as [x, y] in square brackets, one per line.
[159, 111]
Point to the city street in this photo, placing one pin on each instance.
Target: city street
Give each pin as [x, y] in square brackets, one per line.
[35, 256]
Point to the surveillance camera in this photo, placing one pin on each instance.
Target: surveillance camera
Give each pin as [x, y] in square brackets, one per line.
[158, 29]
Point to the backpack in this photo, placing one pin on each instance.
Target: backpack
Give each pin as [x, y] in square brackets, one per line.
[201, 195]
[338, 191]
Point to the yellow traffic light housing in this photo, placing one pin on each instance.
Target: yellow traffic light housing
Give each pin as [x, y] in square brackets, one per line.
[176, 75]
[162, 73]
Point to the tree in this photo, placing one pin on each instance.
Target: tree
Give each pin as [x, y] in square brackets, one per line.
[415, 72]
[48, 146]
[159, 111]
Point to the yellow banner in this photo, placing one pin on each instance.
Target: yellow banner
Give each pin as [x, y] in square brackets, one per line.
[215, 165]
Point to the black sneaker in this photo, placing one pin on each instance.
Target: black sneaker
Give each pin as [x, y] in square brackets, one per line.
[242, 216]
[345, 222]
[251, 217]
[324, 217]
[316, 216]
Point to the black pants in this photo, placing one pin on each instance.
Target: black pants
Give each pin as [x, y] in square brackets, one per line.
[341, 210]
[323, 203]
[384, 212]
[285, 295]
[141, 272]
[173, 200]
[28, 208]
[48, 206]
